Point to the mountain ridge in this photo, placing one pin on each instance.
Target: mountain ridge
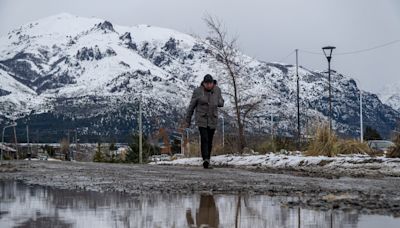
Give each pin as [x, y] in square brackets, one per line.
[92, 73]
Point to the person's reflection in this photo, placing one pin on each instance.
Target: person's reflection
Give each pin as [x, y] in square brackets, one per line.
[206, 216]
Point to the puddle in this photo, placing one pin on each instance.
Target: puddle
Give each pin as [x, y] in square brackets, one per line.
[24, 205]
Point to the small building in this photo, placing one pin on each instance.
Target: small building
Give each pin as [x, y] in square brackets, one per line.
[8, 151]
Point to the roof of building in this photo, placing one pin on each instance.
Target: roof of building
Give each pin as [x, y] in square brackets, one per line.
[6, 148]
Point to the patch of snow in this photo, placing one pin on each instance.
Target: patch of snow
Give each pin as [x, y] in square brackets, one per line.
[389, 166]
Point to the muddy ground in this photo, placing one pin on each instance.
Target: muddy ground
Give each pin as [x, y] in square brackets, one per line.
[367, 194]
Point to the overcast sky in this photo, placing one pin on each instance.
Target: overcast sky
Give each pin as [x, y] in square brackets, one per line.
[268, 30]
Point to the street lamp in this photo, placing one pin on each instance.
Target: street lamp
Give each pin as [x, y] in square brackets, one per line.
[2, 138]
[361, 113]
[298, 100]
[328, 54]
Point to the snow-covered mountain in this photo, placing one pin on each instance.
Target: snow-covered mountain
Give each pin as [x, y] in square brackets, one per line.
[390, 95]
[67, 72]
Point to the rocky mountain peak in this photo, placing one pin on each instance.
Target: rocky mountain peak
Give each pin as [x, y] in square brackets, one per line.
[106, 26]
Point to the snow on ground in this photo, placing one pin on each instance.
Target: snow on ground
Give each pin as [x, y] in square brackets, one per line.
[358, 163]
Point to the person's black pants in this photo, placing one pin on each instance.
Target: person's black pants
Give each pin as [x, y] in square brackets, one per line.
[206, 135]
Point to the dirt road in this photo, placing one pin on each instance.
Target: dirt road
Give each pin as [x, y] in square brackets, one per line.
[375, 195]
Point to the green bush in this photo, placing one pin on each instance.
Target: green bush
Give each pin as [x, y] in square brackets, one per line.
[133, 152]
[99, 156]
[371, 134]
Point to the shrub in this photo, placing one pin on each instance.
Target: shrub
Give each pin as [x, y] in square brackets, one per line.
[99, 155]
[193, 150]
[50, 150]
[394, 152]
[265, 146]
[371, 134]
[133, 152]
[218, 149]
[324, 142]
[230, 145]
[352, 147]
[112, 147]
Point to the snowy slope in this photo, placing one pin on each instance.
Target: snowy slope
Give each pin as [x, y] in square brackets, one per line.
[390, 95]
[91, 74]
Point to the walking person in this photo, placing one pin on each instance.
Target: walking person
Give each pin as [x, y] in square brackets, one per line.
[204, 103]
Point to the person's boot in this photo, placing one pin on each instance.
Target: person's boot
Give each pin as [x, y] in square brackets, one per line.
[206, 164]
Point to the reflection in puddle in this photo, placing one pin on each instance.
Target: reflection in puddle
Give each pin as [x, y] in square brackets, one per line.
[206, 214]
[36, 206]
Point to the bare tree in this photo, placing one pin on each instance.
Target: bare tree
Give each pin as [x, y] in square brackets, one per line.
[234, 66]
[64, 147]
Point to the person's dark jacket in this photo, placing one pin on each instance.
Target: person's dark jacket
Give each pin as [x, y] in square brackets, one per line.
[205, 105]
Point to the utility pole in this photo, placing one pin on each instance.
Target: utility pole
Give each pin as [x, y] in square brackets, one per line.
[69, 151]
[37, 141]
[361, 119]
[27, 134]
[188, 141]
[361, 112]
[27, 141]
[140, 131]
[272, 126]
[330, 96]
[76, 141]
[272, 131]
[298, 100]
[16, 142]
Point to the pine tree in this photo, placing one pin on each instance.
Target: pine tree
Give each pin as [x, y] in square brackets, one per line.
[98, 156]
[371, 134]
[133, 152]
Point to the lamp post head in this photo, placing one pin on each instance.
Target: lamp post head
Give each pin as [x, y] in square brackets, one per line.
[328, 52]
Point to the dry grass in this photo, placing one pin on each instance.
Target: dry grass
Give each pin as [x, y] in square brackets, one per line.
[353, 147]
[324, 143]
[265, 147]
[394, 152]
[218, 149]
[194, 150]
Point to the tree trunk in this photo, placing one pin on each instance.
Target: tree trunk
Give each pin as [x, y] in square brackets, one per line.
[241, 139]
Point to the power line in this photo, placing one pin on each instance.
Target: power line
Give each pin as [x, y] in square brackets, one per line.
[311, 52]
[369, 49]
[356, 51]
[284, 58]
